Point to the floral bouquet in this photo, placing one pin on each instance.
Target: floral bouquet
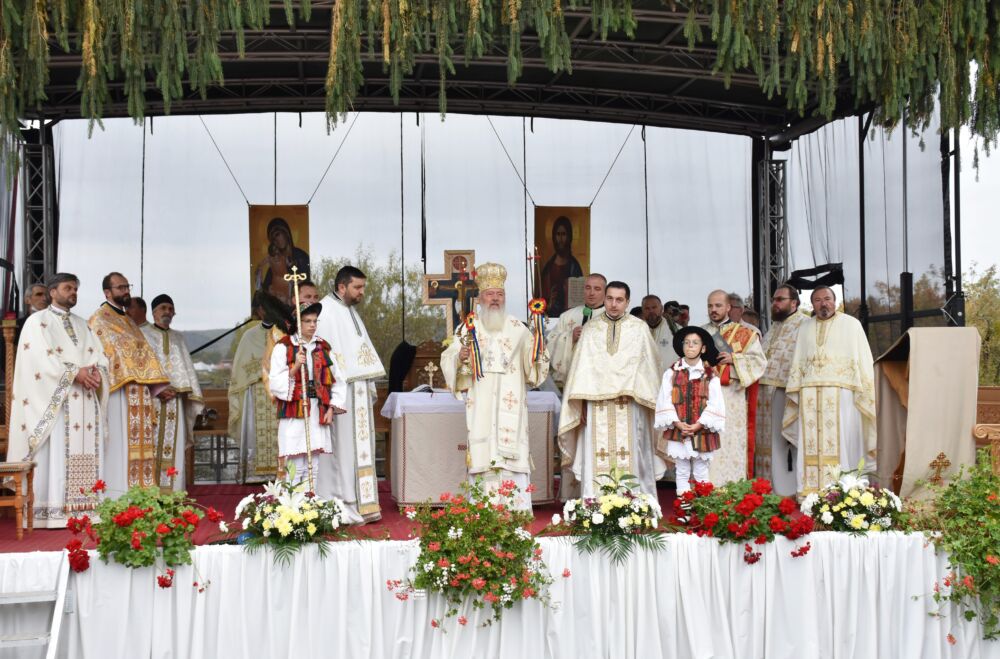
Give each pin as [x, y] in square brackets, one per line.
[851, 505]
[145, 527]
[743, 512]
[476, 548]
[617, 520]
[285, 517]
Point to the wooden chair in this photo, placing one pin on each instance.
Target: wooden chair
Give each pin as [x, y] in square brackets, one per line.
[21, 473]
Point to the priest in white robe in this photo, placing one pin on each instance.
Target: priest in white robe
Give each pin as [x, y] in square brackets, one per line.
[177, 413]
[830, 407]
[496, 406]
[606, 423]
[775, 457]
[741, 363]
[350, 469]
[659, 327]
[563, 338]
[58, 415]
[137, 380]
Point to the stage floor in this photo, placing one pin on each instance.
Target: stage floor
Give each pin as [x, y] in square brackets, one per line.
[392, 526]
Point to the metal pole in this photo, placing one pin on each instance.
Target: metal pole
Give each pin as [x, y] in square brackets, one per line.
[960, 295]
[862, 135]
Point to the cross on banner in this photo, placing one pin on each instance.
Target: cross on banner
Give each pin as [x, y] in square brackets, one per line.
[456, 288]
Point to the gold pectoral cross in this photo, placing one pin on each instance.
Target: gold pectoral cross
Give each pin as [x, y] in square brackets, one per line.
[938, 464]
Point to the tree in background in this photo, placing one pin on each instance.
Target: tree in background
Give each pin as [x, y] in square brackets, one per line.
[982, 311]
[382, 308]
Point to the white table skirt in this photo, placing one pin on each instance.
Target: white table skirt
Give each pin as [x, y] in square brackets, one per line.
[848, 598]
[444, 402]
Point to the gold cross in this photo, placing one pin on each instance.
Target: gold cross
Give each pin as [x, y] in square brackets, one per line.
[430, 370]
[939, 463]
[622, 453]
[602, 454]
[510, 400]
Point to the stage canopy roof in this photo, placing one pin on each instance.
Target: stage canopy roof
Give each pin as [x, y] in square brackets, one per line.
[788, 67]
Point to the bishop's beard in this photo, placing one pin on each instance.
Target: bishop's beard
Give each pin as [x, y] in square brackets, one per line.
[493, 318]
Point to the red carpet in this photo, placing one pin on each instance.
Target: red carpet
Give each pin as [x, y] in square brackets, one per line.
[224, 498]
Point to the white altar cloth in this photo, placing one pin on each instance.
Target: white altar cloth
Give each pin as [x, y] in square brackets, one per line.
[849, 598]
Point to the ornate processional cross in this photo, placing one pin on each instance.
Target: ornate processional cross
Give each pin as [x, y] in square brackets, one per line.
[456, 288]
[430, 370]
[938, 464]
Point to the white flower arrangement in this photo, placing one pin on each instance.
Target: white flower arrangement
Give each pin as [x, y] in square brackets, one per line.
[850, 504]
[619, 517]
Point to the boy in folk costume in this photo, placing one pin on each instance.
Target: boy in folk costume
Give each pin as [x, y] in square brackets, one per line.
[325, 388]
[690, 408]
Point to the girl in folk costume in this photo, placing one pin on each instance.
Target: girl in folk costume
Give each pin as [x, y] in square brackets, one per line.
[325, 388]
[690, 408]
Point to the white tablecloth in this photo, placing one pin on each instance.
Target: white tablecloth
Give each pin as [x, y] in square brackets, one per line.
[444, 402]
[850, 598]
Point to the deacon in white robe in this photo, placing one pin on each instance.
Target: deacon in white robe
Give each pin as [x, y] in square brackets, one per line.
[350, 469]
[177, 413]
[496, 407]
[58, 415]
[742, 362]
[774, 455]
[253, 421]
[136, 380]
[606, 422]
[566, 334]
[830, 406]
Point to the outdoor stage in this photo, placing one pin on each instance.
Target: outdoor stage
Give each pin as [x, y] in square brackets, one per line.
[858, 597]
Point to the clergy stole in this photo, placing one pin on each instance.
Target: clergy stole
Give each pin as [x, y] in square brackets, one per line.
[735, 338]
[245, 385]
[141, 429]
[611, 436]
[364, 458]
[166, 441]
[819, 442]
[265, 420]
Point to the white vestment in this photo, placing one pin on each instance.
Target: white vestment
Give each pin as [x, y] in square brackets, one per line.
[664, 340]
[731, 461]
[607, 408]
[351, 466]
[830, 406]
[774, 456]
[496, 408]
[560, 341]
[176, 418]
[53, 420]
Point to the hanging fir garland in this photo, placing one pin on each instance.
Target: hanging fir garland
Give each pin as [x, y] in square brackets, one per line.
[890, 54]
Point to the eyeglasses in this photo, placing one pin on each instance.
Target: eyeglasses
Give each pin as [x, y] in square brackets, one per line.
[122, 287]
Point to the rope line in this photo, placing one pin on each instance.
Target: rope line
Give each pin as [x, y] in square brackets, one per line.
[224, 161]
[511, 160]
[622, 148]
[335, 154]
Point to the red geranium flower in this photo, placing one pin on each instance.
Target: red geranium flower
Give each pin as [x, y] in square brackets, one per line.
[711, 519]
[433, 546]
[79, 560]
[213, 515]
[778, 525]
[992, 560]
[462, 620]
[163, 529]
[172, 471]
[703, 489]
[478, 583]
[444, 562]
[99, 486]
[566, 573]
[165, 581]
[762, 486]
[787, 506]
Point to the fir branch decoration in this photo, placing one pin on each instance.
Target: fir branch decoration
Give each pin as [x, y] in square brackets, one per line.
[893, 55]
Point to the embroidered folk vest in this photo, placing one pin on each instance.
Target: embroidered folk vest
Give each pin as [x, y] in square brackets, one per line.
[690, 397]
[322, 379]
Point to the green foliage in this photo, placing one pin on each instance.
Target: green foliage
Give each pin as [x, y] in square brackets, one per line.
[982, 311]
[476, 547]
[382, 309]
[966, 516]
[890, 54]
[145, 523]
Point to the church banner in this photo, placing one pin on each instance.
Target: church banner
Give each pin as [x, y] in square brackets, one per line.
[562, 236]
[279, 239]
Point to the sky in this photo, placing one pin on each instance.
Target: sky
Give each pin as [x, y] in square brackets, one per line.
[184, 230]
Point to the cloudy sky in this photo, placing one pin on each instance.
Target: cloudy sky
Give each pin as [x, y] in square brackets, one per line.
[185, 231]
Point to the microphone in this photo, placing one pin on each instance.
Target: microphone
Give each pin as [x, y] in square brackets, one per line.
[587, 313]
